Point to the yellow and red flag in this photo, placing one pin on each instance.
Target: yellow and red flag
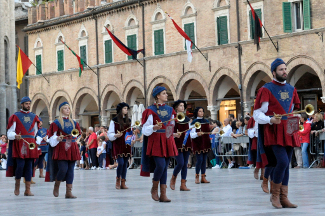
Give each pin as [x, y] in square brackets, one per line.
[23, 63]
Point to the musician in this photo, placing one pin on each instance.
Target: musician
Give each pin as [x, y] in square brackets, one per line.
[280, 98]
[42, 142]
[183, 150]
[201, 144]
[63, 151]
[158, 143]
[121, 151]
[22, 128]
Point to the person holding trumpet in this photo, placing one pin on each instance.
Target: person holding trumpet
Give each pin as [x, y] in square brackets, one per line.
[118, 128]
[184, 149]
[63, 151]
[22, 128]
[158, 142]
[41, 141]
[274, 102]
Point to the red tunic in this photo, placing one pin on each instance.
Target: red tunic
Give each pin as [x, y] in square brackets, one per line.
[20, 149]
[62, 151]
[119, 146]
[179, 127]
[276, 134]
[158, 144]
[202, 143]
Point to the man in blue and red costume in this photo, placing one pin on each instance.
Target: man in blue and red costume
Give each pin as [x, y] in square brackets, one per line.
[41, 141]
[22, 128]
[275, 145]
[158, 143]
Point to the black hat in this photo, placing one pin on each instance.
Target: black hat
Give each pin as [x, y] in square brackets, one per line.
[176, 103]
[120, 107]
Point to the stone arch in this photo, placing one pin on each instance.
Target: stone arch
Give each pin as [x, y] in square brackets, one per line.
[58, 96]
[82, 28]
[188, 5]
[129, 19]
[80, 95]
[41, 107]
[37, 97]
[106, 93]
[156, 81]
[38, 43]
[129, 89]
[58, 36]
[158, 10]
[217, 3]
[310, 62]
[184, 81]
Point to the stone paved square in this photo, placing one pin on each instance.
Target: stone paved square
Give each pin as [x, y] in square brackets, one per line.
[231, 192]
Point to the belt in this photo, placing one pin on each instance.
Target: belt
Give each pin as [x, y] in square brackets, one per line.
[283, 117]
[28, 136]
[64, 140]
[161, 131]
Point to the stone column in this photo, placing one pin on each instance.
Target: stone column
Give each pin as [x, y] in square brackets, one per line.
[104, 120]
[214, 111]
[3, 108]
[247, 106]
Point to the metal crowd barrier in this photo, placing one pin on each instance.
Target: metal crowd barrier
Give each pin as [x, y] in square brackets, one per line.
[136, 153]
[316, 147]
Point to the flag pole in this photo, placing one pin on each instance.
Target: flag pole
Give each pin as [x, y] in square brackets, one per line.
[40, 72]
[276, 47]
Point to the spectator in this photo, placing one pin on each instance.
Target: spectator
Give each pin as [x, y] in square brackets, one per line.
[137, 139]
[101, 152]
[227, 127]
[233, 122]
[3, 145]
[97, 129]
[304, 137]
[216, 130]
[235, 146]
[245, 125]
[318, 123]
[83, 160]
[3, 162]
[92, 146]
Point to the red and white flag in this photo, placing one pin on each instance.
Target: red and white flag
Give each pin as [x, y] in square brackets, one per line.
[188, 41]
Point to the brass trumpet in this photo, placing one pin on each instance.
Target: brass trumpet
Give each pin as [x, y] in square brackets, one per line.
[179, 117]
[74, 133]
[136, 124]
[31, 146]
[301, 128]
[220, 133]
[309, 110]
[197, 125]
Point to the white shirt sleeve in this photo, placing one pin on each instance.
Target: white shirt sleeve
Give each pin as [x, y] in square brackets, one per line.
[111, 131]
[193, 133]
[35, 129]
[147, 128]
[259, 114]
[38, 140]
[53, 140]
[227, 130]
[11, 132]
[251, 133]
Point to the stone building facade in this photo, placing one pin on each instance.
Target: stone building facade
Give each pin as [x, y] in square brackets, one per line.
[8, 92]
[295, 26]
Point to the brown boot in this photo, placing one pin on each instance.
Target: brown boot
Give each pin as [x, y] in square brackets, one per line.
[265, 184]
[197, 179]
[56, 188]
[275, 197]
[32, 182]
[68, 193]
[173, 182]
[27, 189]
[123, 186]
[284, 198]
[262, 173]
[17, 187]
[203, 179]
[183, 185]
[163, 196]
[154, 190]
[256, 171]
[41, 173]
[118, 183]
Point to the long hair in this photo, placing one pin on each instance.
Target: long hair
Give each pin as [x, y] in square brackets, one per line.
[69, 117]
[121, 122]
[196, 111]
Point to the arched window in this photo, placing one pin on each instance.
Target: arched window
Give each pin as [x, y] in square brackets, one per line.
[158, 21]
[59, 46]
[131, 32]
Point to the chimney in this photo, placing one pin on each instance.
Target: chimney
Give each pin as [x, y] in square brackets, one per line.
[81, 5]
[50, 13]
[41, 15]
[32, 15]
[98, 3]
[91, 3]
[58, 8]
[68, 7]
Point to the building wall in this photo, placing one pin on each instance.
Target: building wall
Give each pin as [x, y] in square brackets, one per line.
[121, 77]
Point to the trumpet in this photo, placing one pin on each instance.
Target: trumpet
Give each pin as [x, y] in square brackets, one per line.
[74, 133]
[301, 128]
[137, 123]
[220, 133]
[179, 117]
[31, 146]
[309, 110]
[197, 125]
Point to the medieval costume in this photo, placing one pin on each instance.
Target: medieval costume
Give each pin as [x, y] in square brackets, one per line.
[43, 146]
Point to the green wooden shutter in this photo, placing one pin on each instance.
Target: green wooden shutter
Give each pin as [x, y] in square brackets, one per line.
[83, 54]
[306, 11]
[108, 51]
[159, 42]
[189, 30]
[222, 27]
[252, 22]
[39, 64]
[60, 60]
[286, 11]
[132, 43]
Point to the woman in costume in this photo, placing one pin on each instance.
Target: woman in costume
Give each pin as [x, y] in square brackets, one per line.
[201, 144]
[158, 142]
[183, 150]
[63, 151]
[121, 151]
[41, 140]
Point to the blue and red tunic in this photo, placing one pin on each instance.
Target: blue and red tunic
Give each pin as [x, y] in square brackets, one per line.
[42, 132]
[179, 127]
[119, 146]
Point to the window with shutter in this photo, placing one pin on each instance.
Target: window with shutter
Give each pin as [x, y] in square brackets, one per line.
[252, 22]
[38, 64]
[222, 26]
[60, 60]
[306, 14]
[286, 12]
[189, 30]
[132, 43]
[159, 42]
[108, 51]
[83, 54]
